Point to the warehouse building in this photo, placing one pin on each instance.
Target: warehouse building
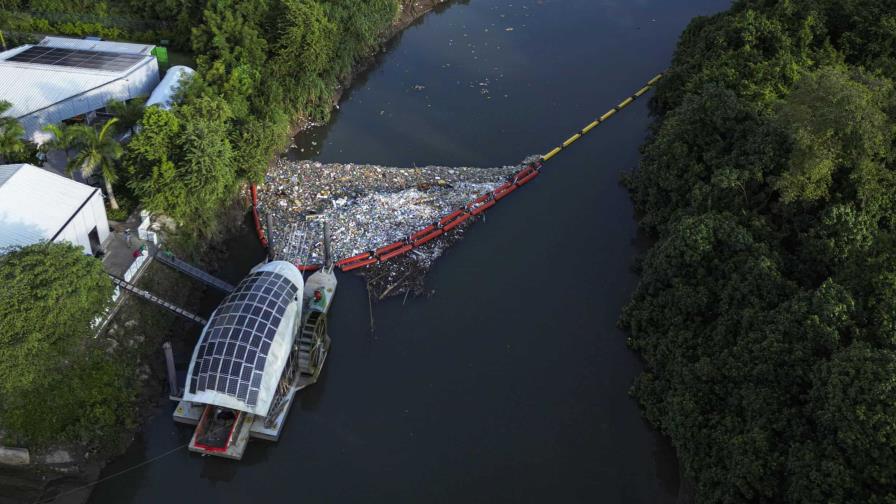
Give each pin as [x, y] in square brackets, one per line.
[63, 78]
[37, 205]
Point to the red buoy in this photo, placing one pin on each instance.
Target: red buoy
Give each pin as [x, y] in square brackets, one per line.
[435, 234]
[395, 253]
[352, 259]
[359, 264]
[382, 250]
[456, 222]
[422, 232]
[450, 217]
[478, 210]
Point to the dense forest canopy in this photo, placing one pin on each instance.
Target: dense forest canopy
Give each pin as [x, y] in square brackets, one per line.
[766, 311]
[261, 65]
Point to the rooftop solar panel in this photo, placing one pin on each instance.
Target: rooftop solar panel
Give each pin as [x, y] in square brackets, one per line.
[232, 357]
[76, 58]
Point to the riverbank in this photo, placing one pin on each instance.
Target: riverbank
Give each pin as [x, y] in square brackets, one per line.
[144, 327]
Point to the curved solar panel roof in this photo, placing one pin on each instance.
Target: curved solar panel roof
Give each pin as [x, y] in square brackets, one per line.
[233, 352]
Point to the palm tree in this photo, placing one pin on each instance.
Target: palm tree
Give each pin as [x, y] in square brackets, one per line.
[11, 132]
[96, 150]
[61, 141]
[128, 113]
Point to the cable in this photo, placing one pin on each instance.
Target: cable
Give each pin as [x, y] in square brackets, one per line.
[107, 478]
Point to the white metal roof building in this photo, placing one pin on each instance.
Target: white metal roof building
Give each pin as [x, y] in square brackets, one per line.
[240, 356]
[37, 205]
[61, 78]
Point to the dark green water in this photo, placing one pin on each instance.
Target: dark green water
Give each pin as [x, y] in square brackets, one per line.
[510, 383]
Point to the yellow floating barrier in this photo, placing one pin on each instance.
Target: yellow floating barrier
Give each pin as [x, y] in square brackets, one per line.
[572, 139]
[590, 127]
[642, 91]
[628, 101]
[551, 154]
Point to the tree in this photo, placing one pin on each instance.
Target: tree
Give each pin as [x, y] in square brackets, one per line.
[834, 122]
[11, 133]
[61, 141]
[128, 112]
[765, 309]
[96, 151]
[182, 162]
[55, 386]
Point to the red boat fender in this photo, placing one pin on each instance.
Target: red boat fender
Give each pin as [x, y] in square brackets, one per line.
[528, 178]
[450, 217]
[502, 193]
[422, 232]
[480, 209]
[347, 260]
[359, 264]
[456, 222]
[382, 250]
[394, 253]
[435, 234]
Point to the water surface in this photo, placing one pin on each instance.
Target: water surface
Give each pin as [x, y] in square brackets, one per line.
[510, 382]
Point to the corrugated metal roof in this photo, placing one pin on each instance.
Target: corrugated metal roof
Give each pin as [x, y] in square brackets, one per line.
[30, 87]
[35, 203]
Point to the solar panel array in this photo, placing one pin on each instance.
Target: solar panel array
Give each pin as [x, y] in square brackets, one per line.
[233, 352]
[76, 58]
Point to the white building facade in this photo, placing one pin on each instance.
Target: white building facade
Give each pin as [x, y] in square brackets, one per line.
[39, 206]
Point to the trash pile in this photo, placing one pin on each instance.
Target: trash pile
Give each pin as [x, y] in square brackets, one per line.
[366, 207]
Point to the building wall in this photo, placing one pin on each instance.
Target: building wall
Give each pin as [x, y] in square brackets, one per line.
[139, 82]
[92, 214]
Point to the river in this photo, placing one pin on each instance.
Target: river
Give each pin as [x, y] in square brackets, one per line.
[509, 383]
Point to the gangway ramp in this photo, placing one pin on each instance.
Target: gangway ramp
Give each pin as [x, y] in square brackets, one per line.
[149, 296]
[188, 269]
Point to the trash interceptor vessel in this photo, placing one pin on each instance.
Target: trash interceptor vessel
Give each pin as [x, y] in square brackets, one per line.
[266, 341]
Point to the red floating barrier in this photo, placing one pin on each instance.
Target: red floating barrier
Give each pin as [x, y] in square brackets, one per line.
[503, 191]
[522, 173]
[347, 260]
[422, 232]
[253, 195]
[528, 178]
[308, 267]
[450, 217]
[457, 222]
[382, 250]
[478, 210]
[435, 234]
[394, 253]
[359, 264]
[483, 198]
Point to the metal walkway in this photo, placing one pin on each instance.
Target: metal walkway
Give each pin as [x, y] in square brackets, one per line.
[188, 269]
[157, 300]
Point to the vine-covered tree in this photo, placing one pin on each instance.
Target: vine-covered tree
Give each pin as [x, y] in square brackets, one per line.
[54, 386]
